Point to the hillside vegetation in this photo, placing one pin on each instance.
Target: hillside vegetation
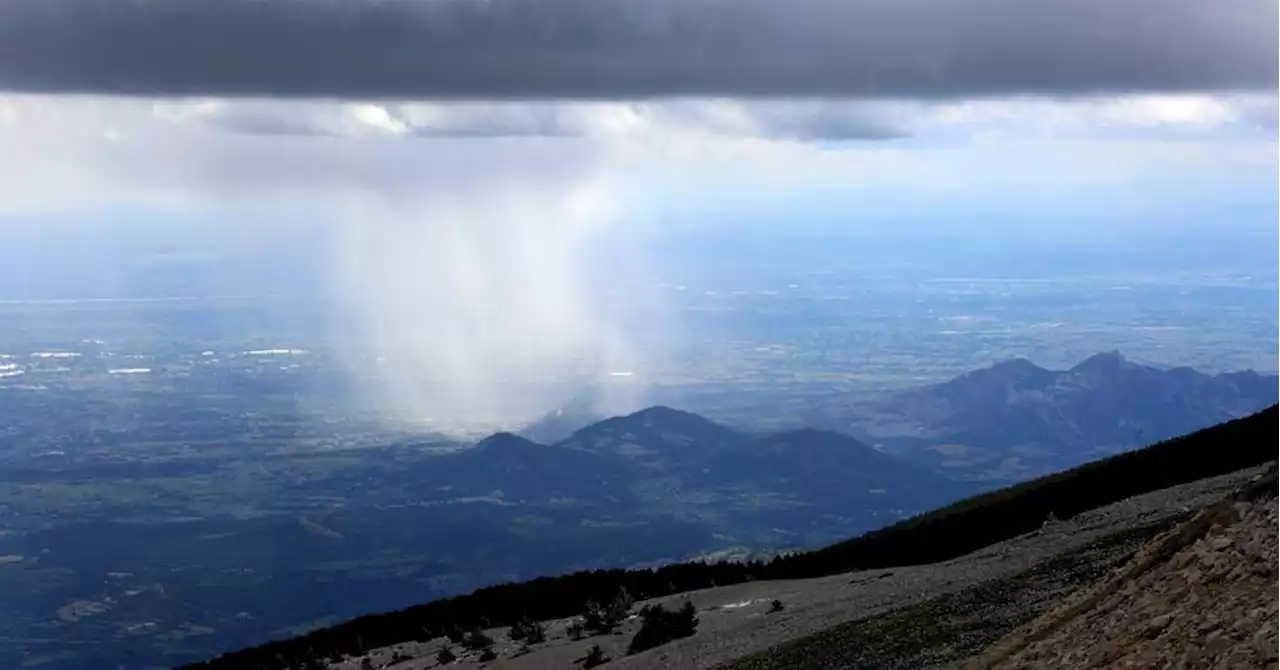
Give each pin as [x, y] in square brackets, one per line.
[940, 535]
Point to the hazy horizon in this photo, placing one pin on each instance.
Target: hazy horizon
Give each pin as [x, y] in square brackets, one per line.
[484, 214]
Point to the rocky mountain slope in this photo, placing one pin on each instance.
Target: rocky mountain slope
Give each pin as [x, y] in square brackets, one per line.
[1203, 597]
[931, 616]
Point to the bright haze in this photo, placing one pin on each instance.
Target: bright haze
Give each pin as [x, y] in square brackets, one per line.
[473, 188]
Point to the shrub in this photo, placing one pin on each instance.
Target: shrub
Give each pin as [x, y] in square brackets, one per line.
[595, 618]
[529, 630]
[444, 656]
[623, 600]
[575, 630]
[595, 656]
[477, 640]
[775, 606]
[600, 619]
[661, 626]
[487, 655]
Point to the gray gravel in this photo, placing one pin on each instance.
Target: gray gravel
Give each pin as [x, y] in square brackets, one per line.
[734, 620]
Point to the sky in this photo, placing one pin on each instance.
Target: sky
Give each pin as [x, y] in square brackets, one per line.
[468, 171]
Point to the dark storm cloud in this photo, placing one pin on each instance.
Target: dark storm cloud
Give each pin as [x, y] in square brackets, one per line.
[636, 48]
[826, 122]
[804, 120]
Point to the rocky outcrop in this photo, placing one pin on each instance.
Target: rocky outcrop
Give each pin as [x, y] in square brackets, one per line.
[1203, 595]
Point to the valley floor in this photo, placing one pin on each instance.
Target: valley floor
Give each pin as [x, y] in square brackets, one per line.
[931, 616]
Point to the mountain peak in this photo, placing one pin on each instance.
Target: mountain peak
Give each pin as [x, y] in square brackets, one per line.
[1016, 371]
[1105, 361]
[506, 441]
[1018, 368]
[664, 413]
[661, 419]
[656, 430]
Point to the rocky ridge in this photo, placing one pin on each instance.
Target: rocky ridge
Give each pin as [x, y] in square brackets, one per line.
[1201, 596]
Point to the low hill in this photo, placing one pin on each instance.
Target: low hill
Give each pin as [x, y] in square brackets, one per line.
[833, 474]
[658, 437]
[937, 536]
[798, 488]
[520, 470]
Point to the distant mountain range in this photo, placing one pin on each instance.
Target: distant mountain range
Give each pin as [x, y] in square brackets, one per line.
[1015, 420]
[815, 484]
[1010, 421]
[408, 523]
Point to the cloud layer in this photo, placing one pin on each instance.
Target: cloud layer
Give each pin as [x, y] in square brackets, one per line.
[64, 152]
[781, 120]
[636, 48]
[476, 250]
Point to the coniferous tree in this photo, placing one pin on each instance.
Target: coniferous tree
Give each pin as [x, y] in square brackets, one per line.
[661, 626]
[528, 630]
